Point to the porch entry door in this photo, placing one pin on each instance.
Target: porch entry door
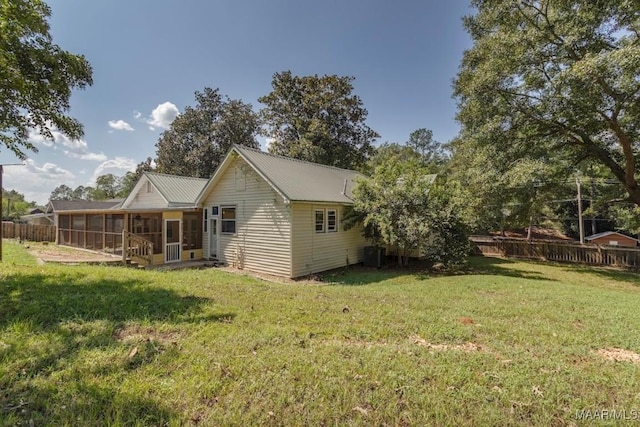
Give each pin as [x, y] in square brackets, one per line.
[172, 240]
[213, 238]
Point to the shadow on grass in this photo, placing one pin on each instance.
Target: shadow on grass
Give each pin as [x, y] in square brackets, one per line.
[417, 270]
[50, 321]
[610, 273]
[83, 404]
[46, 300]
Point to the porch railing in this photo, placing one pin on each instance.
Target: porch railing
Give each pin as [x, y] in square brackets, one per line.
[136, 248]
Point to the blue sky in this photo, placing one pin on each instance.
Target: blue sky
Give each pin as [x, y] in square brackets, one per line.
[149, 57]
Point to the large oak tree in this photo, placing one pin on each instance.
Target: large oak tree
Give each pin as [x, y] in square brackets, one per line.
[554, 81]
[36, 77]
[317, 119]
[199, 138]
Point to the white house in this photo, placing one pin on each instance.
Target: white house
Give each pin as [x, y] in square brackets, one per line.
[278, 215]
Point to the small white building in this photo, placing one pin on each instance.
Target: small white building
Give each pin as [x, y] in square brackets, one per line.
[278, 215]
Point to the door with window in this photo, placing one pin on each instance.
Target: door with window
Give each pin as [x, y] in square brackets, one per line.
[172, 240]
[213, 238]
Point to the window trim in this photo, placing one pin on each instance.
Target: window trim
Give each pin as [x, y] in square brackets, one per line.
[315, 221]
[235, 220]
[335, 226]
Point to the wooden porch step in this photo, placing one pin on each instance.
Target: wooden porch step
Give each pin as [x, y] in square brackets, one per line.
[134, 264]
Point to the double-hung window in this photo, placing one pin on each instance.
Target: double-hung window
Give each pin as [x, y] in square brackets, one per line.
[326, 220]
[319, 218]
[332, 221]
[228, 220]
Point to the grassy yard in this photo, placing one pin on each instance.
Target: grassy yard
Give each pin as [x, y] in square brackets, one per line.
[504, 343]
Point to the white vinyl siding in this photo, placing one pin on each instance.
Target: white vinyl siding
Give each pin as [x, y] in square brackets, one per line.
[262, 241]
[314, 252]
[147, 199]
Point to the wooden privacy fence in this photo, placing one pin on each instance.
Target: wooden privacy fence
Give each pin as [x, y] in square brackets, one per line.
[557, 251]
[31, 232]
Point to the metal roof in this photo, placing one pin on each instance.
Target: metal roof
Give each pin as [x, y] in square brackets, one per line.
[298, 180]
[74, 205]
[177, 190]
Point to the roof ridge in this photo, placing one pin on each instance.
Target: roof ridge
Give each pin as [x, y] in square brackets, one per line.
[278, 156]
[174, 176]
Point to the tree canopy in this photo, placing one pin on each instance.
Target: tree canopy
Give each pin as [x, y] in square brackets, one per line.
[36, 77]
[14, 205]
[199, 138]
[108, 186]
[317, 119]
[554, 82]
[130, 179]
[400, 206]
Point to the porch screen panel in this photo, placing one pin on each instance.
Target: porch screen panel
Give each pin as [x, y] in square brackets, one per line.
[191, 231]
[77, 233]
[64, 230]
[149, 226]
[114, 224]
[94, 232]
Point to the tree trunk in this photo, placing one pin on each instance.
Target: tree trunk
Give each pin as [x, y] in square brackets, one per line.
[529, 229]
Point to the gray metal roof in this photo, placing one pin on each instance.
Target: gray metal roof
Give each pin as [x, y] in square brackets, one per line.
[298, 180]
[75, 205]
[177, 190]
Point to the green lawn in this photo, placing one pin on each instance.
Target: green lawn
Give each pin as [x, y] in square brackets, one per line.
[504, 343]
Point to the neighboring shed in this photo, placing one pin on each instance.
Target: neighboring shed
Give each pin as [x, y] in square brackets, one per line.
[37, 217]
[612, 238]
[277, 215]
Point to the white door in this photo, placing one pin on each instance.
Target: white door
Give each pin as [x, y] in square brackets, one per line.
[213, 238]
[172, 240]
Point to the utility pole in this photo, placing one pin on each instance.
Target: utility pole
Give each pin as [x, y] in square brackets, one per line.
[580, 223]
[594, 229]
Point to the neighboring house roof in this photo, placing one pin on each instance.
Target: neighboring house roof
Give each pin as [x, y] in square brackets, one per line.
[607, 234]
[33, 216]
[294, 180]
[177, 191]
[77, 205]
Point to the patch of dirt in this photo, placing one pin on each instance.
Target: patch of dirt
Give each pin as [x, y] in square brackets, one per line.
[619, 355]
[67, 255]
[466, 347]
[137, 333]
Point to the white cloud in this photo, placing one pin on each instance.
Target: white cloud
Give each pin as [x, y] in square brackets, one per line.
[161, 116]
[117, 166]
[34, 181]
[96, 157]
[120, 125]
[74, 148]
[75, 145]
